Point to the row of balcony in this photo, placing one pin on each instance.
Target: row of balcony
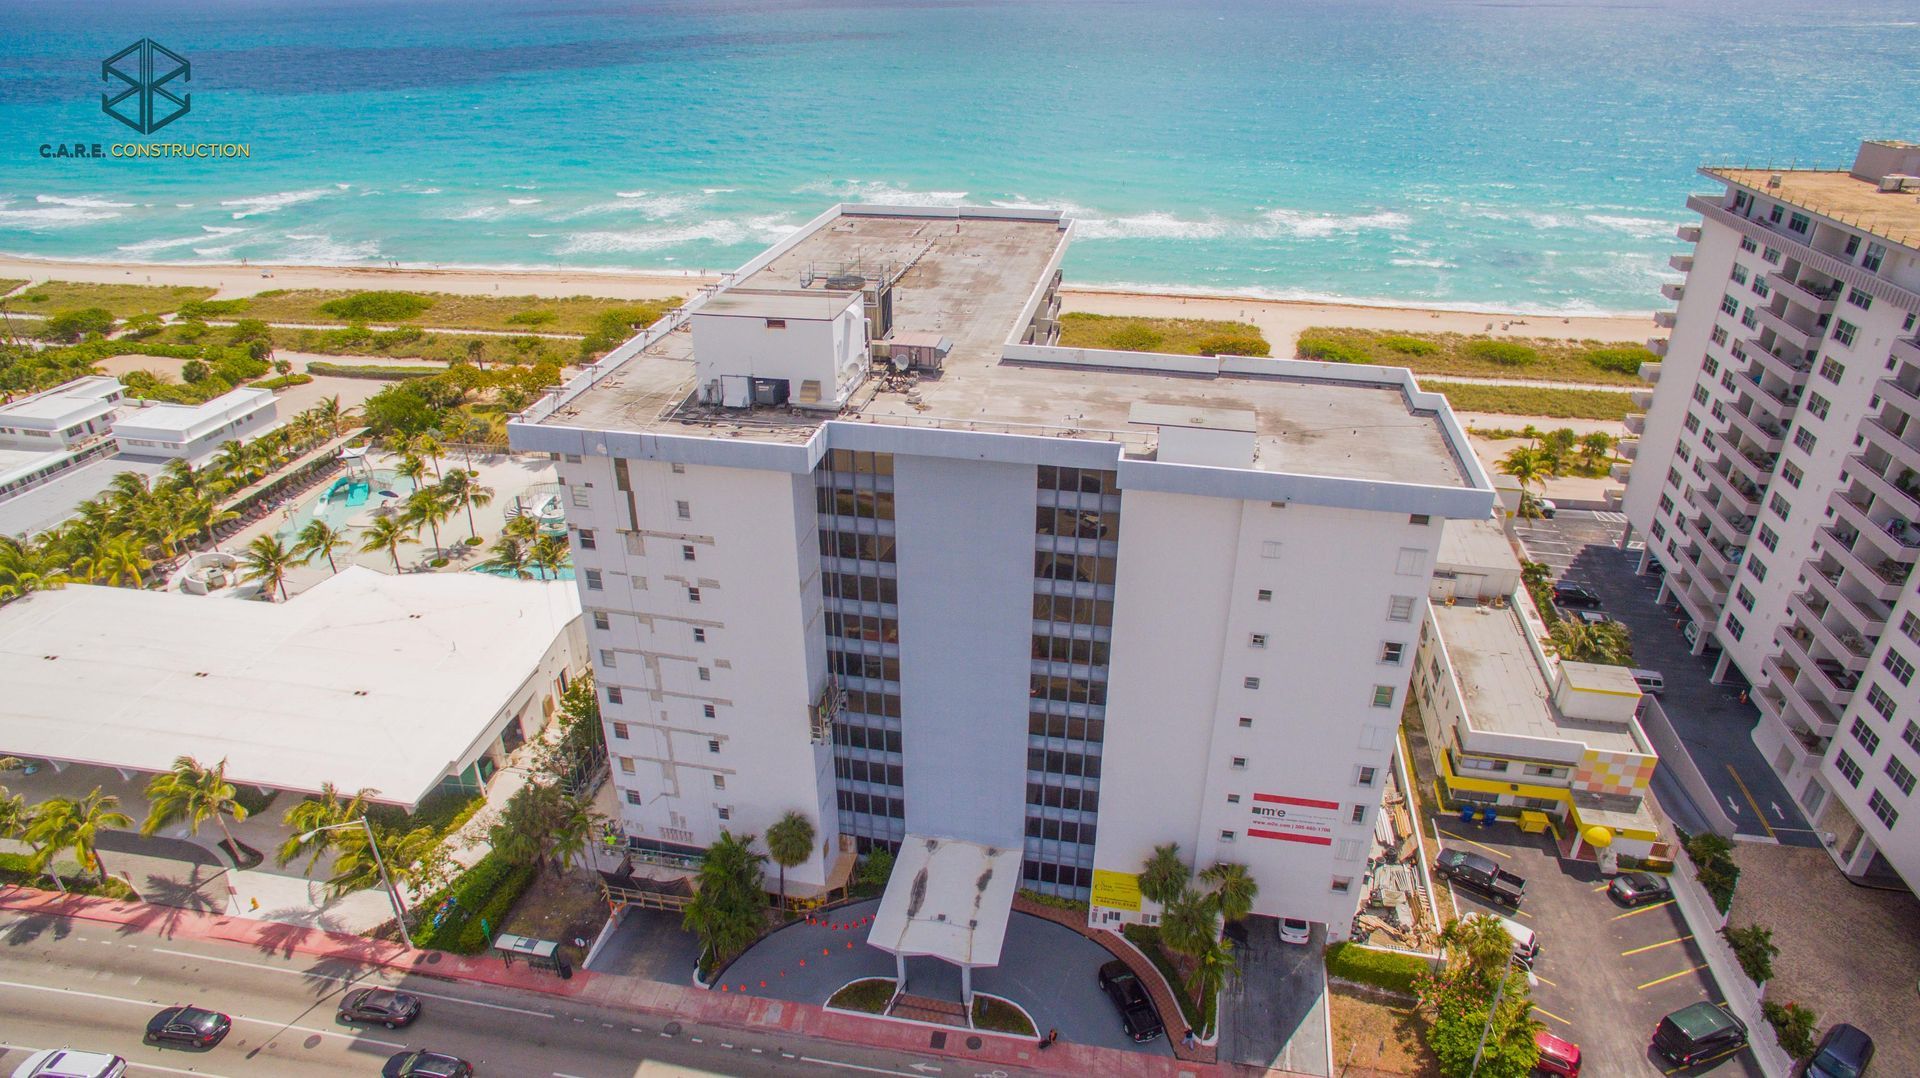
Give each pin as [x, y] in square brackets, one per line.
[1664, 319]
[1650, 372]
[1815, 298]
[1879, 575]
[1807, 338]
[1657, 345]
[1759, 428]
[1790, 365]
[1795, 247]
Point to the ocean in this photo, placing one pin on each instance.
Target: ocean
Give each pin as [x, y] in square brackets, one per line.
[1531, 157]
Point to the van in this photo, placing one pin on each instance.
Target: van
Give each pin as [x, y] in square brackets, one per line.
[1650, 681]
[1526, 945]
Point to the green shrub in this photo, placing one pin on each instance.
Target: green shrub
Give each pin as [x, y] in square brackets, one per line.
[1381, 969]
[199, 310]
[1409, 346]
[1001, 1017]
[1147, 938]
[871, 995]
[1228, 344]
[531, 318]
[1505, 353]
[1328, 350]
[1533, 400]
[1712, 858]
[73, 325]
[1133, 338]
[482, 896]
[349, 370]
[237, 367]
[377, 306]
[1753, 946]
[1792, 1026]
[1054, 901]
[1623, 360]
[283, 381]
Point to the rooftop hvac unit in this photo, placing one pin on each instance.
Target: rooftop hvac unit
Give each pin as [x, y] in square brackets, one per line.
[1773, 181]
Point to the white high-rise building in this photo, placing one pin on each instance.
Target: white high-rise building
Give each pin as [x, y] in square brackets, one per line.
[1777, 479]
[856, 538]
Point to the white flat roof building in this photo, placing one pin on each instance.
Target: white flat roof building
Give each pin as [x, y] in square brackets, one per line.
[195, 432]
[979, 588]
[395, 683]
[48, 433]
[1778, 480]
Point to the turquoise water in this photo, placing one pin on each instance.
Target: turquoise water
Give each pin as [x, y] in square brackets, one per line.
[335, 502]
[536, 573]
[1532, 156]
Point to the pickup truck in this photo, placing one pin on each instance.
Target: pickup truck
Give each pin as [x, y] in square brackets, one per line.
[1482, 875]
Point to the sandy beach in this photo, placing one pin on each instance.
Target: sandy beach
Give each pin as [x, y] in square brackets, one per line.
[1281, 321]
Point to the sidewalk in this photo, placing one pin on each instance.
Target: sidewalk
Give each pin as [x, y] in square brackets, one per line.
[738, 1009]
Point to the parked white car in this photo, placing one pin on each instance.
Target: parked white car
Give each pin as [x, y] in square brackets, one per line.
[67, 1063]
[1294, 930]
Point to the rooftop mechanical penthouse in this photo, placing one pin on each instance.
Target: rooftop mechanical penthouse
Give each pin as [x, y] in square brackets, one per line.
[856, 538]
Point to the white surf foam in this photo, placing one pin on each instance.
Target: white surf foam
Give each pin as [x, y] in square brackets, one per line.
[260, 204]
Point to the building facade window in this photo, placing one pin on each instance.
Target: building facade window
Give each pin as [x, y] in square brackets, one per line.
[1883, 810]
[1848, 769]
[1901, 775]
[1804, 439]
[1400, 608]
[1897, 665]
[1882, 703]
[1864, 734]
[1383, 696]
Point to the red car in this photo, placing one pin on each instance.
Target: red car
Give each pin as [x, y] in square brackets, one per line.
[1557, 1056]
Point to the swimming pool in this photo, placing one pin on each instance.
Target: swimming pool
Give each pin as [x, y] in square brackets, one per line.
[565, 573]
[343, 499]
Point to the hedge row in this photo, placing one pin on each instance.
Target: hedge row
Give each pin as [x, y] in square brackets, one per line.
[1381, 969]
[483, 895]
[354, 370]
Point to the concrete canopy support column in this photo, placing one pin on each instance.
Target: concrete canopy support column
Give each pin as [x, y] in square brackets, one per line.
[1626, 537]
[966, 986]
[1720, 667]
[899, 973]
[1660, 598]
[1701, 638]
[1646, 559]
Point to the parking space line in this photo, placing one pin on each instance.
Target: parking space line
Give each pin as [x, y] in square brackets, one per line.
[1748, 794]
[1670, 977]
[1470, 842]
[1602, 887]
[1656, 946]
[1551, 1015]
[1544, 981]
[1641, 910]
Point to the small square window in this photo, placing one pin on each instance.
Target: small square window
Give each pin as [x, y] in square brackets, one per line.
[686, 552]
[1412, 562]
[1392, 654]
[1239, 763]
[679, 468]
[1246, 722]
[683, 510]
[1400, 608]
[1342, 884]
[593, 580]
[1251, 683]
[699, 635]
[633, 797]
[1270, 549]
[1359, 814]
[620, 730]
[707, 711]
[705, 674]
[626, 765]
[1226, 836]
[1265, 595]
[614, 695]
[1421, 519]
[1257, 640]
[725, 812]
[713, 744]
[606, 657]
[1383, 696]
[693, 595]
[719, 782]
[1233, 799]
[601, 621]
[1365, 776]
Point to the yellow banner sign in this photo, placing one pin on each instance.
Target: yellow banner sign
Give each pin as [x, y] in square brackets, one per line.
[1116, 890]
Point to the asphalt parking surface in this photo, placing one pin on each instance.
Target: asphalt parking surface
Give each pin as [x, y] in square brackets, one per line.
[1606, 974]
[1714, 725]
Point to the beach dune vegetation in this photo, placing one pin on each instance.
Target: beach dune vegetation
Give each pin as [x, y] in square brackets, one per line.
[119, 300]
[1505, 353]
[378, 306]
[1176, 336]
[1461, 354]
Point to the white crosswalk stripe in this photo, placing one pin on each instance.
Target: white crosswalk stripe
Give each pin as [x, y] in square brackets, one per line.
[1606, 517]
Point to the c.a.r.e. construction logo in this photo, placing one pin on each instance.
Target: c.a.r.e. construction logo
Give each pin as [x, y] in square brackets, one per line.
[147, 90]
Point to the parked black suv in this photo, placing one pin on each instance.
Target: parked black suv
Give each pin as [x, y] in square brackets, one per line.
[1130, 996]
[1575, 595]
[1697, 1034]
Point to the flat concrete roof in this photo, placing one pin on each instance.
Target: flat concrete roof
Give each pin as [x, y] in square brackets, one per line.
[1476, 544]
[968, 278]
[1502, 685]
[365, 680]
[805, 306]
[1168, 415]
[33, 511]
[189, 421]
[1837, 194]
[948, 899]
[80, 398]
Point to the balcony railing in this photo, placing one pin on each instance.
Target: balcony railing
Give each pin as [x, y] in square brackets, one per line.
[1688, 233]
[1682, 263]
[1867, 615]
[1806, 338]
[1636, 422]
[1650, 372]
[1664, 319]
[1818, 300]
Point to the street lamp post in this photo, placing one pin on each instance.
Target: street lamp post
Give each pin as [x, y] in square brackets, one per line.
[1492, 1012]
[393, 893]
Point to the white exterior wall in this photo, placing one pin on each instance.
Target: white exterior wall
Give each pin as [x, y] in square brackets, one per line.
[1182, 651]
[832, 352]
[756, 564]
[155, 430]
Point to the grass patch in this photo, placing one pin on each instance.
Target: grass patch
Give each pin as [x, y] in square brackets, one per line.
[408, 342]
[1467, 354]
[1054, 901]
[1000, 1016]
[121, 300]
[1393, 972]
[16, 868]
[283, 381]
[870, 995]
[356, 370]
[1534, 400]
[574, 314]
[8, 284]
[1147, 938]
[1372, 1037]
[1179, 336]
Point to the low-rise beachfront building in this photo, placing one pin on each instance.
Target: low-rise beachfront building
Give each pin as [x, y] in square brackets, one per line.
[48, 433]
[1777, 480]
[194, 432]
[857, 539]
[400, 684]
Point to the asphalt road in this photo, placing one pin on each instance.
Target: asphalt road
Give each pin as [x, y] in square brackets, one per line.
[1712, 722]
[91, 986]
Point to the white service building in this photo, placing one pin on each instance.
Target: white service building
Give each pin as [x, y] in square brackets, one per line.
[194, 432]
[856, 538]
[47, 433]
[1777, 480]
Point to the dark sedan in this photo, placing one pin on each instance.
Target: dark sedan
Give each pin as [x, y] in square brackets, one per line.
[1639, 888]
[1843, 1053]
[1129, 996]
[189, 1025]
[424, 1064]
[383, 1005]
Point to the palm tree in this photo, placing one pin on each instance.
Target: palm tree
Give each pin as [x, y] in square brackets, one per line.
[204, 513]
[26, 567]
[127, 489]
[1190, 923]
[193, 794]
[510, 555]
[426, 445]
[1607, 644]
[1233, 890]
[726, 908]
[1164, 875]
[1557, 446]
[178, 475]
[311, 816]
[1212, 966]
[477, 352]
[320, 539]
[386, 533]
[549, 554]
[267, 560]
[328, 411]
[427, 508]
[64, 823]
[790, 843]
[463, 490]
[119, 561]
[411, 858]
[1528, 466]
[235, 465]
[573, 834]
[413, 469]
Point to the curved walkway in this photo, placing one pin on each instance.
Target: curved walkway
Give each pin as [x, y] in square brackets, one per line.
[1047, 968]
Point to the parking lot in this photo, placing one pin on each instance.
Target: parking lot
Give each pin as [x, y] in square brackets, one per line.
[1606, 974]
[1580, 547]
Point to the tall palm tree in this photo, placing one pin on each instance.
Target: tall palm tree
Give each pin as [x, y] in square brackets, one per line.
[193, 794]
[1607, 644]
[1234, 889]
[1190, 923]
[65, 823]
[409, 857]
[205, 514]
[426, 445]
[328, 411]
[1164, 875]
[428, 507]
[179, 475]
[311, 816]
[25, 567]
[573, 832]
[127, 489]
[234, 463]
[119, 561]
[386, 533]
[510, 555]
[1211, 968]
[790, 844]
[412, 469]
[320, 539]
[467, 493]
[1528, 466]
[549, 554]
[267, 560]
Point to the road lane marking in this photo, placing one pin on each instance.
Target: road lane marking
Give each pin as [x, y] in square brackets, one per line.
[1670, 977]
[1470, 842]
[1654, 946]
[1551, 1015]
[1748, 794]
[857, 1067]
[350, 1037]
[312, 975]
[6, 1047]
[1642, 909]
